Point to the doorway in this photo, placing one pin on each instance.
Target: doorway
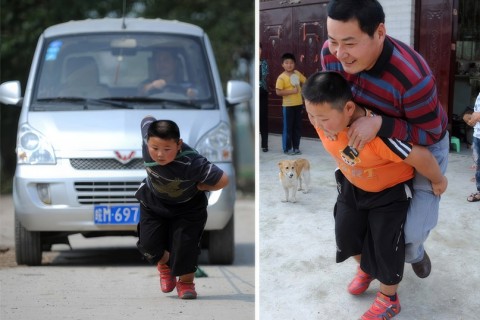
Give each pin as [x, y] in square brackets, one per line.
[467, 67]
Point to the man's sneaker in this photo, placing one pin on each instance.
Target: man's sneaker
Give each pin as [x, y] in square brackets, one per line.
[360, 283]
[167, 281]
[382, 308]
[186, 290]
[297, 151]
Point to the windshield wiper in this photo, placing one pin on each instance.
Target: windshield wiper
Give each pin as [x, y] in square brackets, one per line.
[164, 102]
[87, 101]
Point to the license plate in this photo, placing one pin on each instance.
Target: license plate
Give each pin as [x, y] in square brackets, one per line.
[122, 214]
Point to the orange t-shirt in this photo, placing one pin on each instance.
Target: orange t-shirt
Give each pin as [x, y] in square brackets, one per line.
[378, 166]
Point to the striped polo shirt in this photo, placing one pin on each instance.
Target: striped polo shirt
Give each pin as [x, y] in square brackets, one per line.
[401, 88]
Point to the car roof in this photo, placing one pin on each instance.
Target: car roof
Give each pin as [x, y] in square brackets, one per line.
[115, 25]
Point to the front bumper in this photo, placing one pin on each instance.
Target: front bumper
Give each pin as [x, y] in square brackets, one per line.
[73, 194]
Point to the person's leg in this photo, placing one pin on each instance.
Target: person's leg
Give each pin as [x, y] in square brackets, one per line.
[350, 223]
[263, 118]
[287, 129]
[384, 250]
[475, 196]
[422, 215]
[152, 236]
[475, 152]
[350, 231]
[187, 248]
[383, 255]
[188, 277]
[186, 244]
[284, 130]
[476, 144]
[153, 242]
[187, 231]
[297, 127]
[388, 290]
[164, 259]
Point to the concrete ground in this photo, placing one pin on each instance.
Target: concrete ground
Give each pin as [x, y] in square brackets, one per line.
[298, 276]
[105, 278]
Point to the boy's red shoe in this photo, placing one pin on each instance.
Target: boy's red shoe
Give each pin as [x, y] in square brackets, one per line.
[360, 283]
[186, 290]
[167, 281]
[382, 308]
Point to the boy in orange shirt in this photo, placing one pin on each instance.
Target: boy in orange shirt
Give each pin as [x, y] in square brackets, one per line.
[375, 188]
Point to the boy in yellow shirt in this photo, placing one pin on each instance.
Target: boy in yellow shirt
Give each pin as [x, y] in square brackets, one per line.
[288, 86]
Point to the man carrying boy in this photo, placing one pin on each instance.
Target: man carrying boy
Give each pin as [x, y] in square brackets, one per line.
[288, 86]
[374, 186]
[396, 82]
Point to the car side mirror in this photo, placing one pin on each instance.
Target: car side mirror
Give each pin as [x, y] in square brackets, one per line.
[238, 92]
[10, 92]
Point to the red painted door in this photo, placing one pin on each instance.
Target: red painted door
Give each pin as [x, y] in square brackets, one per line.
[309, 33]
[296, 27]
[275, 36]
[435, 41]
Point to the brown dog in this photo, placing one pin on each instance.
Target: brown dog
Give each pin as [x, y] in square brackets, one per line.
[294, 175]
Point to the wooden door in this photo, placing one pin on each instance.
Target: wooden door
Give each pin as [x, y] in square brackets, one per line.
[435, 41]
[309, 33]
[298, 27]
[275, 36]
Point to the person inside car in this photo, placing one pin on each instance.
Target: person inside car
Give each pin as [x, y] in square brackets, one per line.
[167, 76]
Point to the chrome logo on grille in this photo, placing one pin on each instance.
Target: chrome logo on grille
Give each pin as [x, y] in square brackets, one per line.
[124, 156]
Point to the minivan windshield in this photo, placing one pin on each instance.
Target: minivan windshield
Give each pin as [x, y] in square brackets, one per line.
[119, 70]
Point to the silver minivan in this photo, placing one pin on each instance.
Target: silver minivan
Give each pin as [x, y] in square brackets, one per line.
[79, 144]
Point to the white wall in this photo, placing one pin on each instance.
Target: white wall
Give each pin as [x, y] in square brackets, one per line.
[400, 19]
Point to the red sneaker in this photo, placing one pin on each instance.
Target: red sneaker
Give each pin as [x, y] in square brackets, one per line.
[186, 290]
[382, 308]
[360, 283]
[167, 281]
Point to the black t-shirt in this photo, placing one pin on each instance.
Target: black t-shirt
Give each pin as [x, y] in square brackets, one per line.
[177, 181]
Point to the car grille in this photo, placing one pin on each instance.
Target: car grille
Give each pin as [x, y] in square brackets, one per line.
[91, 193]
[106, 164]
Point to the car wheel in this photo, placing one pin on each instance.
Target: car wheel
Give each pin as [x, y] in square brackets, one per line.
[28, 246]
[221, 246]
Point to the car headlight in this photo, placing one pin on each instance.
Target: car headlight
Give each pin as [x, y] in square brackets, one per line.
[33, 148]
[216, 144]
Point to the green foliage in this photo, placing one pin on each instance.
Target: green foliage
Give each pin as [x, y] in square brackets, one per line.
[22, 22]
[229, 24]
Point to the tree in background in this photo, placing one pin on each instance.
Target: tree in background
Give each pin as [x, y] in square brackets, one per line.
[229, 24]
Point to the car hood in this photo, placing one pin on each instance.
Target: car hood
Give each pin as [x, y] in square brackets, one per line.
[71, 132]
